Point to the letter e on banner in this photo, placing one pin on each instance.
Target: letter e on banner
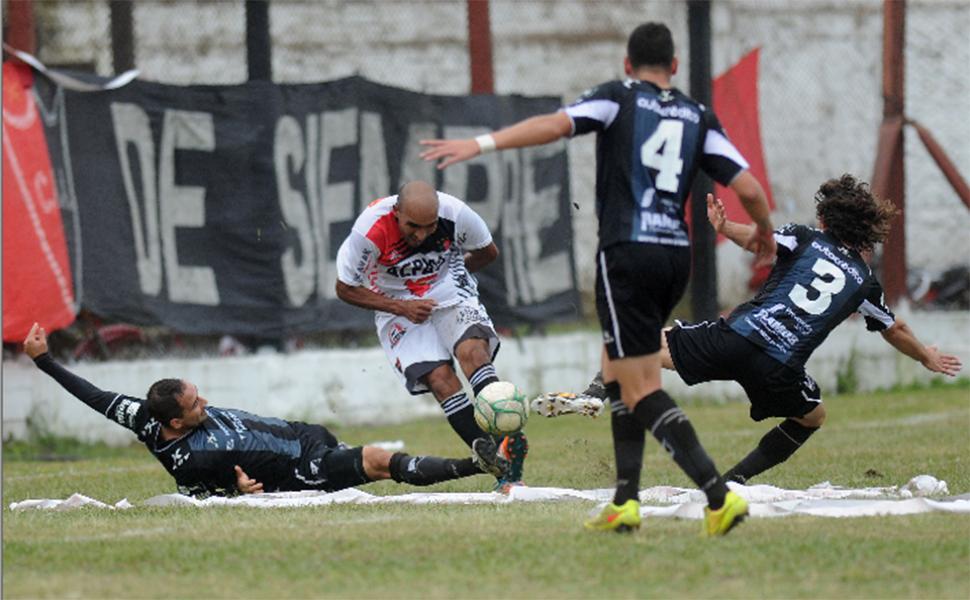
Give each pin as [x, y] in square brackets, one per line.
[37, 282]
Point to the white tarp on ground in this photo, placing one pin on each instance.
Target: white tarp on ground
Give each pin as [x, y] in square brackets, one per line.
[822, 500]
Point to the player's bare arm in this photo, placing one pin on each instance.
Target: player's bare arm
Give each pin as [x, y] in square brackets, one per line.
[755, 203]
[533, 131]
[739, 233]
[416, 311]
[902, 338]
[476, 260]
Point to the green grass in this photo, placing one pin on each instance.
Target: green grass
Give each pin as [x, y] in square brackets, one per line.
[528, 550]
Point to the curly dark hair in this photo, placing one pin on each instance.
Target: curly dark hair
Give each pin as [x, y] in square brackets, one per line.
[852, 214]
[163, 404]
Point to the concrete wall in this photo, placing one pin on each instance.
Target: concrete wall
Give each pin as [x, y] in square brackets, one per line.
[820, 86]
[359, 386]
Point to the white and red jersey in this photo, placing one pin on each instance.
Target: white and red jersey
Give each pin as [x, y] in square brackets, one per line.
[375, 254]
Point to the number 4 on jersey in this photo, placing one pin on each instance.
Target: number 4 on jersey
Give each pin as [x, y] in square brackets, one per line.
[661, 152]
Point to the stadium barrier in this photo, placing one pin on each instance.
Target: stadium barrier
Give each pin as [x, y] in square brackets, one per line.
[355, 387]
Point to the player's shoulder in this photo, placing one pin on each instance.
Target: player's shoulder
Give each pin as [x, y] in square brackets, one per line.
[449, 207]
[374, 215]
[606, 90]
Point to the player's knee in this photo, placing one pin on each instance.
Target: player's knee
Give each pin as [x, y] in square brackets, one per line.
[815, 418]
[377, 462]
[472, 351]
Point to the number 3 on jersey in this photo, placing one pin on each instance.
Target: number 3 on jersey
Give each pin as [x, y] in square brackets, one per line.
[825, 288]
[661, 152]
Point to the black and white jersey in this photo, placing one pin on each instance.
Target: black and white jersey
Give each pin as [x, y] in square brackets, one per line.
[815, 284]
[651, 143]
[201, 461]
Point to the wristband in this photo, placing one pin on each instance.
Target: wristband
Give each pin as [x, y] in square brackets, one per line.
[486, 143]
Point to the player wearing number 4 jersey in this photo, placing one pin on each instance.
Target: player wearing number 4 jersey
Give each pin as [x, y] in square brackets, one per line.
[652, 139]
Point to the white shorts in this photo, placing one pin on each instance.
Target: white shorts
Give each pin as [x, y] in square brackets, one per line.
[414, 350]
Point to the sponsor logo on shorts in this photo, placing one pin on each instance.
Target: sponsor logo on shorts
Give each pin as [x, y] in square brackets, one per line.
[396, 334]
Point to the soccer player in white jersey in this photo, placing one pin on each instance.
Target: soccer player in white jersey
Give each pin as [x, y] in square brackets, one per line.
[410, 258]
[651, 141]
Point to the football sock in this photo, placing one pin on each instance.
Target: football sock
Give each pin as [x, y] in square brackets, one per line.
[461, 416]
[774, 448]
[628, 441]
[428, 470]
[659, 413]
[482, 376]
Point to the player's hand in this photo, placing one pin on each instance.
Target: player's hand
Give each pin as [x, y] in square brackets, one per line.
[715, 213]
[417, 311]
[245, 484]
[449, 151]
[941, 363]
[762, 243]
[35, 343]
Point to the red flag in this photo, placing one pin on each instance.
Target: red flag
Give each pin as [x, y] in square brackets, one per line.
[37, 283]
[735, 98]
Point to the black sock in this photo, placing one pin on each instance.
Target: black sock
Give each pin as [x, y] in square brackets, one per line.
[773, 449]
[428, 470]
[628, 440]
[482, 376]
[461, 417]
[659, 413]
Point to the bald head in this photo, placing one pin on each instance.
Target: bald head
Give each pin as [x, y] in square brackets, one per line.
[417, 211]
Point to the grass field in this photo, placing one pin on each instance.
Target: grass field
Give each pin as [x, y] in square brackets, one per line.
[527, 550]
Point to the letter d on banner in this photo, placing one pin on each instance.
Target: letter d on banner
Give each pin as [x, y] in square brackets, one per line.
[37, 283]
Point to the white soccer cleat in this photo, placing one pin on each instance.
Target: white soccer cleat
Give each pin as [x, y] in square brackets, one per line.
[555, 404]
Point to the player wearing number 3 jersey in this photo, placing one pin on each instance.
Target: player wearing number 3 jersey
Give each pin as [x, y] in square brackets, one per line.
[651, 141]
[820, 278]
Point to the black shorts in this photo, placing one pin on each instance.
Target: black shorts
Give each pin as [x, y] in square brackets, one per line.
[637, 286]
[715, 352]
[325, 463]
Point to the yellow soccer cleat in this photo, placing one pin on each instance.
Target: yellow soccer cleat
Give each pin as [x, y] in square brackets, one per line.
[723, 520]
[620, 519]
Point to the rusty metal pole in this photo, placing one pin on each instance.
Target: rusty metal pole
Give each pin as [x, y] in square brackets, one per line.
[889, 180]
[21, 33]
[480, 47]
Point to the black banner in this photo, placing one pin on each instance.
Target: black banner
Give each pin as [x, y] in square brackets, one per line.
[220, 209]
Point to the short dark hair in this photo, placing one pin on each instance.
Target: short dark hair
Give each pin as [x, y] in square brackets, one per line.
[650, 45]
[163, 404]
[852, 214]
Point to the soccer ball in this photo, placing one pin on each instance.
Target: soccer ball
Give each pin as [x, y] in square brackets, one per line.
[501, 408]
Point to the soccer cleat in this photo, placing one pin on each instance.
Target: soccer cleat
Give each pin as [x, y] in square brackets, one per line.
[724, 519]
[515, 448]
[563, 403]
[620, 519]
[488, 458]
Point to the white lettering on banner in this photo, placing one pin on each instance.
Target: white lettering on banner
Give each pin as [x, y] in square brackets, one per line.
[414, 167]
[288, 159]
[529, 276]
[184, 206]
[167, 206]
[131, 127]
[455, 177]
[336, 198]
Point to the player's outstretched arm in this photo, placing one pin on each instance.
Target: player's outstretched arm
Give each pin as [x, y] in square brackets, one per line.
[739, 233]
[533, 131]
[35, 346]
[902, 338]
